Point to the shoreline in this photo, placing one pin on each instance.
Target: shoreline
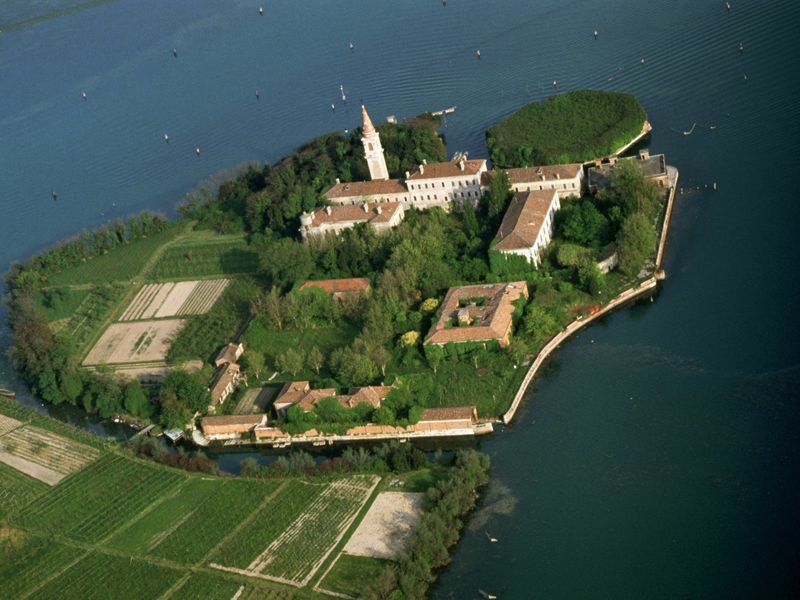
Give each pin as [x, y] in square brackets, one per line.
[624, 297]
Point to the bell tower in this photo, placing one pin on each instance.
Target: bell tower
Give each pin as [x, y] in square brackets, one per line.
[373, 151]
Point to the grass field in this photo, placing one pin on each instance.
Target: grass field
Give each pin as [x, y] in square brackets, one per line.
[121, 264]
[61, 303]
[17, 490]
[350, 572]
[203, 254]
[93, 503]
[186, 526]
[103, 576]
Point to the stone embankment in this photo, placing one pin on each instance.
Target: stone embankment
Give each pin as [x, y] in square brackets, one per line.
[625, 297]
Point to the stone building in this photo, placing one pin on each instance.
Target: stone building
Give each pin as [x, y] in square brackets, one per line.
[567, 179]
[528, 224]
[333, 219]
[373, 150]
[439, 184]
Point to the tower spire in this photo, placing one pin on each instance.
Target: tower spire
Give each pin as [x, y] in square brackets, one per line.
[373, 151]
[367, 126]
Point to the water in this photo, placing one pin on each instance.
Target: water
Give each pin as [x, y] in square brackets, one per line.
[657, 458]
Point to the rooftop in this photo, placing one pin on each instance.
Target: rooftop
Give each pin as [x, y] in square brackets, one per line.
[450, 413]
[375, 187]
[351, 213]
[371, 395]
[491, 320]
[299, 393]
[544, 173]
[447, 169]
[339, 286]
[524, 219]
[226, 375]
[651, 167]
[228, 354]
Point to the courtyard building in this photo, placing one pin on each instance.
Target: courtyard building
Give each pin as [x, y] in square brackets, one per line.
[528, 225]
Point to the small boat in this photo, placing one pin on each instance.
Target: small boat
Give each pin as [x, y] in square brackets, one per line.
[445, 111]
[555, 83]
[728, 6]
[8, 393]
[175, 52]
[478, 53]
[333, 107]
[741, 47]
[258, 95]
[261, 10]
[350, 45]
[493, 540]
[83, 95]
[595, 34]
[197, 151]
[54, 195]
[166, 138]
[341, 89]
[487, 595]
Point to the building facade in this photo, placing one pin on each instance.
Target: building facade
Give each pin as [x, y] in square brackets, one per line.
[567, 180]
[333, 219]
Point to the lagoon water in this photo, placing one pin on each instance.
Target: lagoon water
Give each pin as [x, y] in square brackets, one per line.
[657, 457]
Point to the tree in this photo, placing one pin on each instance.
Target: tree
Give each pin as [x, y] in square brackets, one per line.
[583, 224]
[174, 413]
[290, 361]
[188, 389]
[519, 350]
[571, 255]
[499, 193]
[136, 401]
[592, 279]
[315, 359]
[409, 338]
[353, 368]
[539, 324]
[286, 261]
[469, 219]
[272, 308]
[635, 241]
[253, 362]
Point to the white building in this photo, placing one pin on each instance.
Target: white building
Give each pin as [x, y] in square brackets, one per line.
[567, 180]
[527, 226]
[333, 219]
[439, 184]
[359, 192]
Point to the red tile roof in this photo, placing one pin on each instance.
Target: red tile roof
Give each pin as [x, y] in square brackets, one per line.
[360, 189]
[231, 423]
[543, 173]
[447, 169]
[371, 395]
[492, 321]
[351, 213]
[339, 286]
[524, 219]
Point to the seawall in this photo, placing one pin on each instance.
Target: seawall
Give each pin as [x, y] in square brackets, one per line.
[625, 297]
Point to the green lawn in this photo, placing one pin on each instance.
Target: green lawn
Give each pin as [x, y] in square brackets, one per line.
[206, 586]
[350, 573]
[203, 254]
[61, 303]
[28, 559]
[121, 264]
[83, 327]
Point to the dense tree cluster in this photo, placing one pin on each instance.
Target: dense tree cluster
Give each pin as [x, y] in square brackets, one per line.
[447, 502]
[572, 127]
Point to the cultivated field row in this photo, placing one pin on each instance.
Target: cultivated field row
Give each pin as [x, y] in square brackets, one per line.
[7, 424]
[47, 449]
[139, 342]
[296, 554]
[159, 300]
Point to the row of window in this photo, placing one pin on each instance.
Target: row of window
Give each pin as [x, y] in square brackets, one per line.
[452, 184]
[466, 194]
[553, 186]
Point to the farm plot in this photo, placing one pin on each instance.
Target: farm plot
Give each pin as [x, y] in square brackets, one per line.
[39, 448]
[32, 561]
[141, 341]
[267, 524]
[83, 325]
[295, 555]
[7, 424]
[187, 525]
[102, 576]
[199, 256]
[159, 300]
[387, 525]
[94, 502]
[17, 490]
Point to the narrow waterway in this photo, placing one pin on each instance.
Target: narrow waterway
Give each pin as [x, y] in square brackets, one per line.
[657, 456]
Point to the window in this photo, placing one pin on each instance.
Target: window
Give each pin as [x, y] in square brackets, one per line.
[370, 146]
[426, 186]
[443, 184]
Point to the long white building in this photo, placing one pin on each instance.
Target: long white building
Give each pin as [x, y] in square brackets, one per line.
[528, 224]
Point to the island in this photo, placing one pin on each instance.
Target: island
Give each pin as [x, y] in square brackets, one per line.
[363, 288]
